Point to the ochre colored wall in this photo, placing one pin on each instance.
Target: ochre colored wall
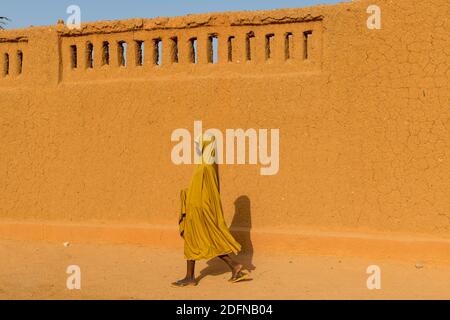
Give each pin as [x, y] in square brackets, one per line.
[364, 122]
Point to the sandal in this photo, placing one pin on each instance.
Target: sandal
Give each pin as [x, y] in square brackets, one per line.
[182, 284]
[240, 276]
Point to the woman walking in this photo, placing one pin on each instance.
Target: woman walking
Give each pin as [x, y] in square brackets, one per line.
[202, 224]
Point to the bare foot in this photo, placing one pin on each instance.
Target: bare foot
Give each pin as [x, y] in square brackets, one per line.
[186, 282]
[237, 269]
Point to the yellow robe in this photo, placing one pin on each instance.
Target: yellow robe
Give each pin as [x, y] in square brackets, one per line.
[202, 223]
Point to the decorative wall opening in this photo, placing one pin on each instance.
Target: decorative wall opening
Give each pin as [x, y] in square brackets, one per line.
[212, 49]
[193, 50]
[6, 64]
[105, 53]
[89, 55]
[122, 53]
[139, 53]
[19, 62]
[174, 50]
[157, 51]
[73, 57]
[307, 44]
[249, 45]
[288, 45]
[270, 39]
[231, 45]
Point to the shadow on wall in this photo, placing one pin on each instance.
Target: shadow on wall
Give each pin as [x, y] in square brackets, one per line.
[241, 231]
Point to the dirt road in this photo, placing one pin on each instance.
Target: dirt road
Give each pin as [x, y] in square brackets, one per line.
[35, 270]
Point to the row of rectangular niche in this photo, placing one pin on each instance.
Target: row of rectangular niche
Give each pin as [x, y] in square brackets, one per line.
[212, 50]
[10, 61]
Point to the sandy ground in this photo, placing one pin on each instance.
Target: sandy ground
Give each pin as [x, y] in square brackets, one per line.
[34, 270]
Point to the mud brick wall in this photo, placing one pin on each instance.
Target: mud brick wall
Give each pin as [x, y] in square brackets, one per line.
[364, 116]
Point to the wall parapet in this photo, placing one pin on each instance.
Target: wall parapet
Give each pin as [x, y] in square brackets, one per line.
[253, 18]
[12, 52]
[278, 41]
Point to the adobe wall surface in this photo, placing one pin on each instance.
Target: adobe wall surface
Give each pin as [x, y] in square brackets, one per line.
[364, 121]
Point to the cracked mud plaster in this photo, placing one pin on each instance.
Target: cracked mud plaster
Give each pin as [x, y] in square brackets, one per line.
[364, 123]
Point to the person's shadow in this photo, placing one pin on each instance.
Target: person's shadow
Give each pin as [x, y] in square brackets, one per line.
[240, 229]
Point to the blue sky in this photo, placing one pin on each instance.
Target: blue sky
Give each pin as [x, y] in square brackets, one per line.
[46, 12]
